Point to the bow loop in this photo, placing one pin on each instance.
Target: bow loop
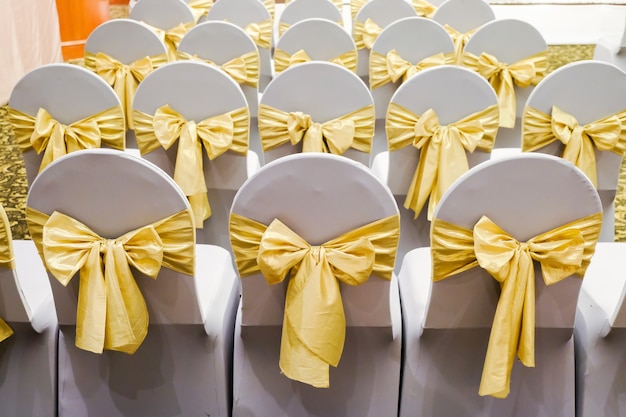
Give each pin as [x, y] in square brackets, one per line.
[261, 33]
[200, 8]
[424, 8]
[299, 57]
[370, 33]
[460, 40]
[172, 37]
[391, 67]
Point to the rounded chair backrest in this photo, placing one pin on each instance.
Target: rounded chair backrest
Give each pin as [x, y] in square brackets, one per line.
[413, 38]
[464, 15]
[509, 40]
[299, 10]
[125, 40]
[453, 93]
[162, 14]
[383, 13]
[320, 39]
[221, 42]
[525, 195]
[589, 91]
[68, 92]
[322, 90]
[112, 193]
[344, 196]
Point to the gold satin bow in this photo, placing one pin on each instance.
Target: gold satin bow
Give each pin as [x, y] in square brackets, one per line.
[270, 5]
[460, 40]
[355, 6]
[124, 78]
[200, 8]
[424, 8]
[243, 69]
[314, 323]
[443, 149]
[45, 134]
[501, 76]
[391, 67]
[172, 37]
[606, 134]
[282, 60]
[355, 130]
[215, 134]
[366, 33]
[7, 261]
[111, 312]
[563, 251]
[260, 33]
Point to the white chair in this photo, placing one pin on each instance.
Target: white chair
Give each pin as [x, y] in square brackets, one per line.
[315, 39]
[600, 92]
[182, 367]
[454, 94]
[453, 316]
[611, 49]
[230, 48]
[406, 46]
[511, 42]
[123, 52]
[299, 10]
[72, 96]
[372, 18]
[461, 18]
[189, 89]
[170, 19]
[28, 356]
[344, 196]
[311, 94]
[253, 17]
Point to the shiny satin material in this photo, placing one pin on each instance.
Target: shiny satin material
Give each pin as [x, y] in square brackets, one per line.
[392, 67]
[260, 33]
[314, 323]
[561, 252]
[200, 8]
[355, 6]
[282, 60]
[460, 40]
[216, 134]
[7, 261]
[270, 5]
[424, 8]
[111, 312]
[366, 33]
[172, 37]
[124, 78]
[45, 134]
[503, 77]
[443, 149]
[356, 130]
[606, 134]
[243, 69]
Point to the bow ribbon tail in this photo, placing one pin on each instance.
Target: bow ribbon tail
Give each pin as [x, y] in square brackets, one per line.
[580, 151]
[424, 179]
[503, 85]
[5, 330]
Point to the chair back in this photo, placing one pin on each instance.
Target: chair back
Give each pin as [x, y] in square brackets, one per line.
[324, 91]
[113, 193]
[344, 196]
[299, 10]
[162, 14]
[524, 195]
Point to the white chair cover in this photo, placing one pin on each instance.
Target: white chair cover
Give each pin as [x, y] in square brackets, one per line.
[447, 323]
[464, 15]
[299, 10]
[162, 14]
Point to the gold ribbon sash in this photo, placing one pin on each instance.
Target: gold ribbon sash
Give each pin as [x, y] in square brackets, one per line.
[216, 134]
[355, 6]
[124, 78]
[45, 134]
[356, 130]
[502, 77]
[314, 322]
[460, 40]
[260, 33]
[392, 67]
[270, 5]
[200, 8]
[111, 312]
[7, 261]
[561, 252]
[243, 69]
[366, 33]
[172, 37]
[424, 8]
[606, 134]
[282, 60]
[443, 149]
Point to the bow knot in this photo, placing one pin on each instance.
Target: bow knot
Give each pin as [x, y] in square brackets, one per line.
[370, 32]
[391, 67]
[334, 136]
[299, 57]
